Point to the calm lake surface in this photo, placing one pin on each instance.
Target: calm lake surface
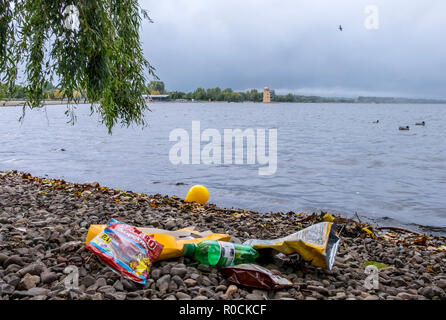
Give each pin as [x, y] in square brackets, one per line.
[330, 157]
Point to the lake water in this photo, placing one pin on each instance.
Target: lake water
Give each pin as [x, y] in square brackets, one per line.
[330, 157]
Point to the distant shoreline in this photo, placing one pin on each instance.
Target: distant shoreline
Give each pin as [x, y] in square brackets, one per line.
[20, 103]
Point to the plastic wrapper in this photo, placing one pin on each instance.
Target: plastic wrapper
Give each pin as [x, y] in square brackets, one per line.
[126, 250]
[173, 241]
[252, 275]
[317, 243]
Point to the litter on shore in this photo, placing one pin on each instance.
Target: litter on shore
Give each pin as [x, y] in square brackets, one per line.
[44, 223]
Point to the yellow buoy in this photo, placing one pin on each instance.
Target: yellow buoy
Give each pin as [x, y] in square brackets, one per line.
[197, 194]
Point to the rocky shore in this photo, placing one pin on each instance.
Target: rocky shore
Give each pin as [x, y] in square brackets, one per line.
[44, 223]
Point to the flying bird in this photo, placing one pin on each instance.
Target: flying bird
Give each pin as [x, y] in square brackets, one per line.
[340, 27]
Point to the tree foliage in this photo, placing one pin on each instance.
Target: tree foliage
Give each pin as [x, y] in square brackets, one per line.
[102, 58]
[156, 86]
[253, 95]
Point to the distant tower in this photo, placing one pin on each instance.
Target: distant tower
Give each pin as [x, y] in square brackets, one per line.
[266, 95]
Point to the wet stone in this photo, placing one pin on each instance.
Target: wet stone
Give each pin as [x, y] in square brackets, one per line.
[12, 279]
[13, 260]
[106, 289]
[115, 296]
[183, 296]
[156, 274]
[6, 289]
[118, 286]
[88, 281]
[130, 285]
[181, 272]
[29, 281]
[101, 282]
[163, 283]
[252, 296]
[190, 282]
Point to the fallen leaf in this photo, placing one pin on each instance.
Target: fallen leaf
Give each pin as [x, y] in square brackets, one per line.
[379, 265]
[442, 248]
[420, 241]
[432, 270]
[368, 231]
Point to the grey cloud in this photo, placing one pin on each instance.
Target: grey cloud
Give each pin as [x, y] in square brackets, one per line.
[295, 46]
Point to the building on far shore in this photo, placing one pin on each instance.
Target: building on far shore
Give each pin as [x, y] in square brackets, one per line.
[268, 95]
[155, 97]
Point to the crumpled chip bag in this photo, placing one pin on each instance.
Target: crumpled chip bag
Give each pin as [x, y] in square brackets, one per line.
[173, 241]
[252, 275]
[317, 243]
[126, 250]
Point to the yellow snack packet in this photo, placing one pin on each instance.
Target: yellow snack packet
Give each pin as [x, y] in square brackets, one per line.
[173, 241]
[317, 243]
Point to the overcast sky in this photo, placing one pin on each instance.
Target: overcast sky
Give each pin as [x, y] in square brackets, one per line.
[295, 46]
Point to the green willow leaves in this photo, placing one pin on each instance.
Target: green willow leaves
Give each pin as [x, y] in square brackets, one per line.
[102, 58]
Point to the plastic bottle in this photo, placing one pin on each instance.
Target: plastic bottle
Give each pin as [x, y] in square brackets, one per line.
[220, 253]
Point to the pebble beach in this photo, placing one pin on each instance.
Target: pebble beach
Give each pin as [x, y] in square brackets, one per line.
[44, 222]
